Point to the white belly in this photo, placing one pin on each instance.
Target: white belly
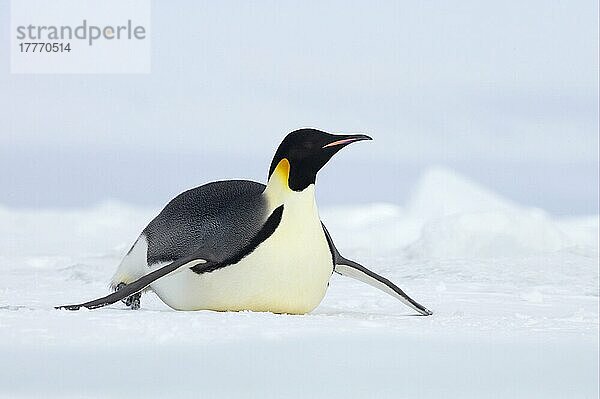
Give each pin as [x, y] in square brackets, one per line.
[288, 273]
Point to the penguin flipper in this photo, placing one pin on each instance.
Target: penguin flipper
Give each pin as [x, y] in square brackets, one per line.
[143, 282]
[350, 268]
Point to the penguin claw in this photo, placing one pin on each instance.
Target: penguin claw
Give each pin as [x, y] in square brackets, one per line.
[132, 301]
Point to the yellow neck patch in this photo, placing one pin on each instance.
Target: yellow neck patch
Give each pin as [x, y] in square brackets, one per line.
[282, 172]
[278, 185]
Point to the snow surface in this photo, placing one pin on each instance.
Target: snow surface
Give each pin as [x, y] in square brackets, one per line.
[514, 293]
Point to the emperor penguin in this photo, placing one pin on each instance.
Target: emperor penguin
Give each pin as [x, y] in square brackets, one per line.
[241, 245]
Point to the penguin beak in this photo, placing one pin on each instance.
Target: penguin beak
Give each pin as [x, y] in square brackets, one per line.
[343, 140]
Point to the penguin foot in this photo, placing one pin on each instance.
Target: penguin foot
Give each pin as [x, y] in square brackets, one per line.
[132, 301]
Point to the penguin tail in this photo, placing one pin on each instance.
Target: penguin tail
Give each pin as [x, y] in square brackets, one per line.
[133, 265]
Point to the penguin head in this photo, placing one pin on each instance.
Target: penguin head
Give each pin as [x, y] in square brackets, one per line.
[302, 153]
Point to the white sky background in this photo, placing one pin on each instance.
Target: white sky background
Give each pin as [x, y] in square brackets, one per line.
[505, 93]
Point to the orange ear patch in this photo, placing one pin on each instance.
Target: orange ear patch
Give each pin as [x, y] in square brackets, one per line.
[282, 171]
